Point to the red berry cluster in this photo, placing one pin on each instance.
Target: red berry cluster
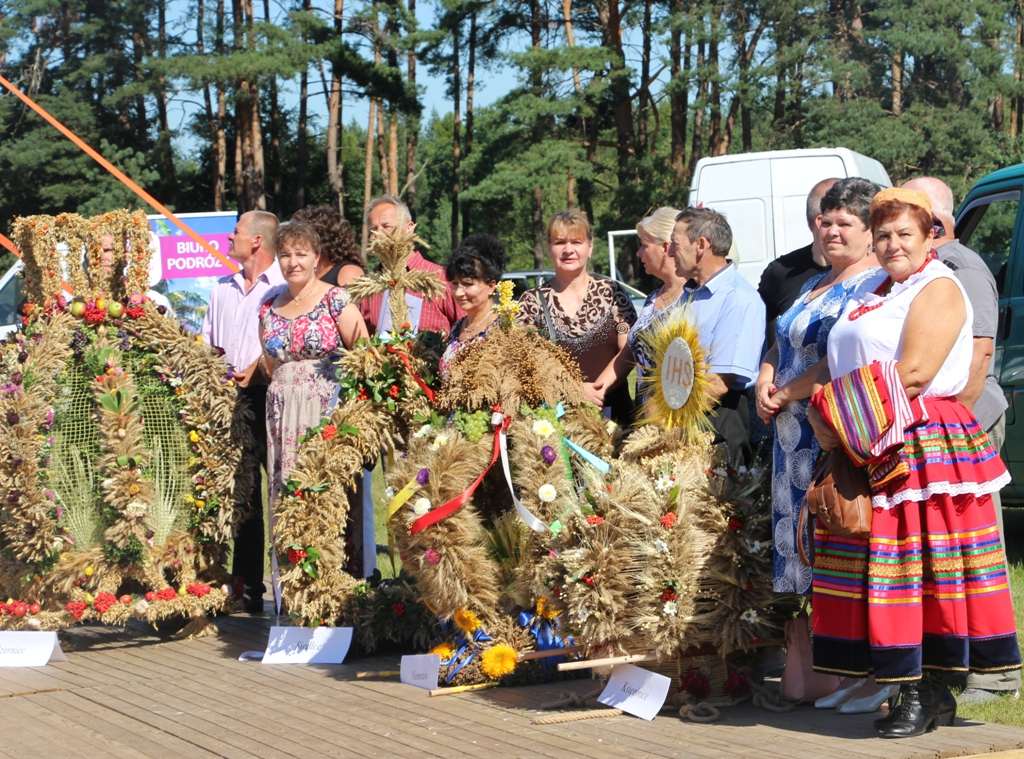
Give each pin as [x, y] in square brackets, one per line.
[18, 608]
[198, 589]
[103, 602]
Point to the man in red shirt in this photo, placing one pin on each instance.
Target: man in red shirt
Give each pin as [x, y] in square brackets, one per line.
[385, 213]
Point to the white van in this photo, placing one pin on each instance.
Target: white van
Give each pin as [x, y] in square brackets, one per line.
[764, 196]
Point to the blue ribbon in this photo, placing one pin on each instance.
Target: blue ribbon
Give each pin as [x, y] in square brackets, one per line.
[595, 461]
[465, 653]
[546, 635]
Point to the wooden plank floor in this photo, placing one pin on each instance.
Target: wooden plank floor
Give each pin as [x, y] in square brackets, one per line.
[136, 695]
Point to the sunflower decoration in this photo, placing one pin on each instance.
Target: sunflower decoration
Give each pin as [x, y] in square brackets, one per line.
[676, 390]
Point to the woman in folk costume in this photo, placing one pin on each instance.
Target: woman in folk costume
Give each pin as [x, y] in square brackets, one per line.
[927, 591]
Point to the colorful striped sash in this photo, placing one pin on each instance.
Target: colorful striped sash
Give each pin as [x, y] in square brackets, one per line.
[870, 412]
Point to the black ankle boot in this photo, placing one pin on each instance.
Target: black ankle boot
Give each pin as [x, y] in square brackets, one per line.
[944, 700]
[913, 715]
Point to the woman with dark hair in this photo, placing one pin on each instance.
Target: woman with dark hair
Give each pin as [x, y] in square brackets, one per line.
[341, 261]
[473, 272]
[926, 591]
[793, 363]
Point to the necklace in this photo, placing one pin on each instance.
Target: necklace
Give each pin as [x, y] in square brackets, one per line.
[306, 291]
[661, 301]
[884, 288]
[472, 330]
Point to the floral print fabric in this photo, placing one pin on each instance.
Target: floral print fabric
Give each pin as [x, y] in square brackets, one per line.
[802, 336]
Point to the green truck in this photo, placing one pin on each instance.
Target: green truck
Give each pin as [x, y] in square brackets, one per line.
[991, 222]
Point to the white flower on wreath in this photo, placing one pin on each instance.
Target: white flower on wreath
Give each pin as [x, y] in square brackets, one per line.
[543, 428]
[664, 483]
[439, 441]
[423, 431]
[660, 546]
[547, 492]
[750, 616]
[421, 506]
[389, 492]
[670, 609]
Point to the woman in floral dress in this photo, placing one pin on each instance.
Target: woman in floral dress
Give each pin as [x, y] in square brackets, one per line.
[792, 366]
[305, 325]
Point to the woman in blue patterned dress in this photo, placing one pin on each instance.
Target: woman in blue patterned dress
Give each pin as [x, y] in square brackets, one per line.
[796, 362]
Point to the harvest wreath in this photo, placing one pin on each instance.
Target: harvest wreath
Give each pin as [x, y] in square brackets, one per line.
[122, 439]
[531, 528]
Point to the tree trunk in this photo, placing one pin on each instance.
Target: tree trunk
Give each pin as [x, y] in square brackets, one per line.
[392, 35]
[697, 138]
[302, 137]
[540, 242]
[220, 150]
[715, 121]
[259, 168]
[368, 169]
[334, 166]
[168, 182]
[570, 41]
[211, 118]
[276, 174]
[456, 82]
[470, 92]
[680, 71]
[536, 87]
[644, 99]
[619, 87]
[585, 189]
[1017, 115]
[896, 68]
[138, 56]
[412, 125]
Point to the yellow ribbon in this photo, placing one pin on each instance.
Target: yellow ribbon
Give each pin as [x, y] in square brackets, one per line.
[402, 497]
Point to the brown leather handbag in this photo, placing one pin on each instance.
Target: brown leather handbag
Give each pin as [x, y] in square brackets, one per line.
[839, 497]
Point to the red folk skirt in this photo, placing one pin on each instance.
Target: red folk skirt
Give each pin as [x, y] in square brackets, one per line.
[928, 589]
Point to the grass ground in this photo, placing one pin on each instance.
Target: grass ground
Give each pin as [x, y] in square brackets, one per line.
[1008, 711]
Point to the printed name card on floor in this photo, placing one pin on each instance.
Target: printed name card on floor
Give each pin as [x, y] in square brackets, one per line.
[307, 645]
[29, 649]
[421, 671]
[636, 691]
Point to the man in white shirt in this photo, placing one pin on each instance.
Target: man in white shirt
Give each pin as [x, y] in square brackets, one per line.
[232, 324]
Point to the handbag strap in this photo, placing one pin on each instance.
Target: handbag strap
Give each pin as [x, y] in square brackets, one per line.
[801, 528]
[546, 309]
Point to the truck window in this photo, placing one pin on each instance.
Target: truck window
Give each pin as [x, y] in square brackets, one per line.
[10, 301]
[988, 227]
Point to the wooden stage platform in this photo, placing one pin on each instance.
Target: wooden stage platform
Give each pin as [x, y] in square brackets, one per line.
[121, 695]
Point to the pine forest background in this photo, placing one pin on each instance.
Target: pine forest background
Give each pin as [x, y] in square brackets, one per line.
[611, 106]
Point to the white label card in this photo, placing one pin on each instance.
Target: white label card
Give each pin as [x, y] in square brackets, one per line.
[29, 649]
[308, 645]
[421, 671]
[636, 691]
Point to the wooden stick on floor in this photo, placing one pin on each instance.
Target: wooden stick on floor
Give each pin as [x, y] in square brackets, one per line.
[606, 662]
[451, 691]
[533, 655]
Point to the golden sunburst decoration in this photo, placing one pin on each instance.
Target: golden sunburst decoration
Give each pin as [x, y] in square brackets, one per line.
[676, 390]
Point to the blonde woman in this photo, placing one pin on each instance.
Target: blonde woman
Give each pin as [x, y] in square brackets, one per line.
[588, 316]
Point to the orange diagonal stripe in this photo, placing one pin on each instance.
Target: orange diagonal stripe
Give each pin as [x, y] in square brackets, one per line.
[123, 178]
